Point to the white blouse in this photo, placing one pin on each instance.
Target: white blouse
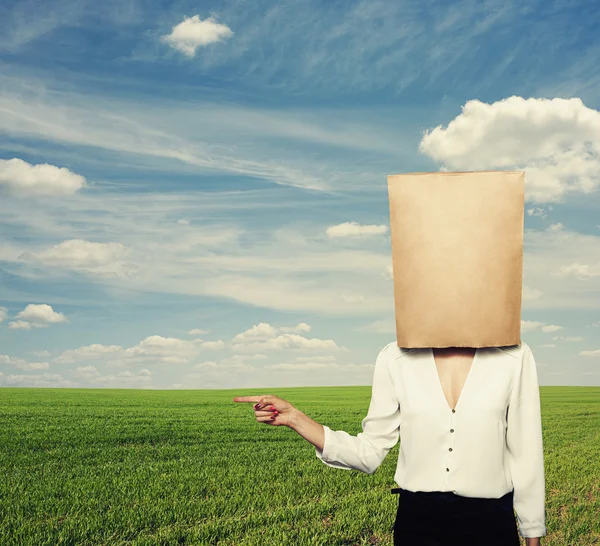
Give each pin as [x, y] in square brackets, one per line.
[488, 445]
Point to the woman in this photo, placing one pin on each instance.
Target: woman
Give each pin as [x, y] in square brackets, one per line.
[469, 425]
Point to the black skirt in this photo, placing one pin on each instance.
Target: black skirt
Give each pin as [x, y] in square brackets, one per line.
[446, 519]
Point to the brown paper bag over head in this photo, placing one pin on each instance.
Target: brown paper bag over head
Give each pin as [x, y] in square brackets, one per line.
[457, 258]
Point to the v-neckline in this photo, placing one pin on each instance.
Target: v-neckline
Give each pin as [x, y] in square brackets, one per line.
[439, 381]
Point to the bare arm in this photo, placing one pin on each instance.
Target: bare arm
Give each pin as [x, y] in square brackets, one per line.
[309, 429]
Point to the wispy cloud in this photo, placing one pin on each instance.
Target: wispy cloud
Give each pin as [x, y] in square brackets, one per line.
[207, 137]
[28, 22]
[370, 44]
[25, 21]
[354, 229]
[251, 266]
[90, 257]
[315, 48]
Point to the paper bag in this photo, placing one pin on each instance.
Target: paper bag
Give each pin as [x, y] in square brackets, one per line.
[457, 257]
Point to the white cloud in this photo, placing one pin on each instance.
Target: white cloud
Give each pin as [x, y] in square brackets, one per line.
[22, 364]
[89, 352]
[3, 313]
[569, 338]
[263, 331]
[194, 32]
[213, 345]
[198, 332]
[257, 332]
[52, 380]
[354, 229]
[169, 348]
[556, 141]
[551, 328]
[36, 316]
[19, 325]
[388, 273]
[594, 353]
[285, 342]
[300, 327]
[86, 372]
[91, 257]
[87, 375]
[578, 271]
[40, 316]
[141, 379]
[538, 211]
[153, 349]
[529, 293]
[529, 325]
[23, 179]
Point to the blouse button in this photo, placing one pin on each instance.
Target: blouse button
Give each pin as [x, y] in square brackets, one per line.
[453, 411]
[451, 430]
[447, 470]
[449, 449]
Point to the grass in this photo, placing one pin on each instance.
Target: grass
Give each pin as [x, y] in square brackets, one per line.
[143, 467]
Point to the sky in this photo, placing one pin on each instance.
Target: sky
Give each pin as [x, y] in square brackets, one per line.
[193, 195]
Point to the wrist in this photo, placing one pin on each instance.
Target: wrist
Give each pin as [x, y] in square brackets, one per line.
[295, 417]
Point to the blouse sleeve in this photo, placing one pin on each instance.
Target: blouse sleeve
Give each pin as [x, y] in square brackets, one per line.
[525, 449]
[380, 428]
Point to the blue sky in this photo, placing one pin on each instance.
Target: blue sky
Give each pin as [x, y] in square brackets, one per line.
[194, 194]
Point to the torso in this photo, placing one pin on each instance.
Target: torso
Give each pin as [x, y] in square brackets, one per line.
[453, 365]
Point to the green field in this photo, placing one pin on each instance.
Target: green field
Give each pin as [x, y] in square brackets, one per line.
[192, 467]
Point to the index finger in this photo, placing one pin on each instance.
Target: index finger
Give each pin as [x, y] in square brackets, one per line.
[247, 399]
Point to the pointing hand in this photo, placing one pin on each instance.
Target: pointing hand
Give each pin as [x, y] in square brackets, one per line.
[269, 409]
